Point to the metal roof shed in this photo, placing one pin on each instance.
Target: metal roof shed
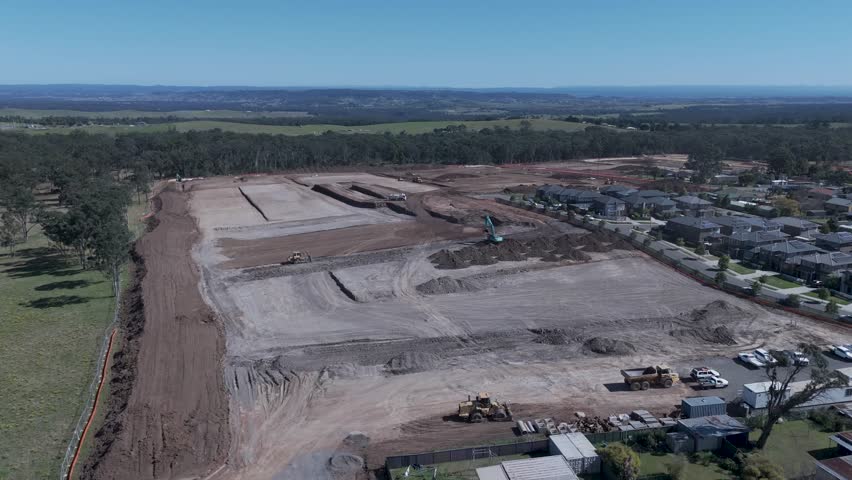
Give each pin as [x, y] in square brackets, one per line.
[577, 450]
[709, 432]
[494, 472]
[544, 468]
[694, 407]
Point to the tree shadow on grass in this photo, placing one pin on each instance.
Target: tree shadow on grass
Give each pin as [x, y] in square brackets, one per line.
[55, 302]
[40, 261]
[65, 285]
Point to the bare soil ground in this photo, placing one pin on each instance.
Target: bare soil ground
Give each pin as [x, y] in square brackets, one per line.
[373, 337]
[174, 421]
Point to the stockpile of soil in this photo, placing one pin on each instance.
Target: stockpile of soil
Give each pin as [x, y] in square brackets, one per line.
[444, 285]
[549, 249]
[719, 311]
[449, 177]
[411, 362]
[609, 346]
[551, 336]
[708, 324]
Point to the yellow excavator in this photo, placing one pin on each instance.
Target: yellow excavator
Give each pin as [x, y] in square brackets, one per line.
[482, 407]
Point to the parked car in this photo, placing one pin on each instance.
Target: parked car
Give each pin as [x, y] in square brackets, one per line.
[797, 358]
[842, 351]
[712, 382]
[750, 359]
[845, 318]
[698, 373]
[764, 356]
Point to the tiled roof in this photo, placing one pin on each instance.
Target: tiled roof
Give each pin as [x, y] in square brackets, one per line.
[796, 222]
[695, 222]
[759, 236]
[691, 200]
[835, 237]
[791, 246]
[833, 259]
[840, 202]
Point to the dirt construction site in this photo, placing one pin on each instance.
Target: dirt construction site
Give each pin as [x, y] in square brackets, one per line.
[326, 366]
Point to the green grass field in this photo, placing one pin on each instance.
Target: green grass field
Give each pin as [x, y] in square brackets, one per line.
[317, 129]
[780, 283]
[651, 464]
[461, 470]
[838, 300]
[736, 267]
[790, 443]
[53, 316]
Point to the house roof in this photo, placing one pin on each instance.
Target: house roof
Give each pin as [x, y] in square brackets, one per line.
[840, 467]
[691, 200]
[605, 200]
[695, 222]
[837, 201]
[759, 236]
[822, 191]
[832, 259]
[614, 188]
[588, 195]
[792, 246]
[714, 426]
[731, 221]
[662, 201]
[796, 222]
[835, 237]
[651, 193]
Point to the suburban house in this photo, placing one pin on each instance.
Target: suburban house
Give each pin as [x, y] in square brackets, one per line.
[694, 230]
[797, 227]
[846, 282]
[776, 255]
[609, 206]
[838, 206]
[661, 206]
[820, 266]
[619, 191]
[693, 206]
[736, 223]
[837, 241]
[652, 193]
[839, 466]
[819, 193]
[737, 244]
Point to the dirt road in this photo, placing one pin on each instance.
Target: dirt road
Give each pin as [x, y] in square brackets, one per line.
[174, 423]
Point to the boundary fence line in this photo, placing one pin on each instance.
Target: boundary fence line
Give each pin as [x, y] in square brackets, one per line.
[86, 416]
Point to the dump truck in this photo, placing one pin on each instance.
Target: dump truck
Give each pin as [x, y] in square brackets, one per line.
[482, 407]
[298, 257]
[643, 378]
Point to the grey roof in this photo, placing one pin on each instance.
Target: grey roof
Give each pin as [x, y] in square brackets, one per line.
[603, 199]
[588, 195]
[762, 222]
[759, 236]
[731, 221]
[651, 193]
[698, 401]
[549, 189]
[833, 259]
[835, 237]
[695, 222]
[840, 202]
[636, 199]
[714, 426]
[662, 201]
[614, 188]
[792, 246]
[796, 222]
[691, 200]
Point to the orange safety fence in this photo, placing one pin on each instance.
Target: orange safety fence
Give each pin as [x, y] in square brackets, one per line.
[94, 407]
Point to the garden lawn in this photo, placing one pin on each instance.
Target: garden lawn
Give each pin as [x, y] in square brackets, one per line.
[838, 300]
[780, 283]
[737, 268]
[790, 443]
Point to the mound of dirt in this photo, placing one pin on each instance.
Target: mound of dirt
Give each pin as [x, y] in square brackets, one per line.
[444, 285]
[716, 312]
[345, 463]
[721, 335]
[569, 247]
[449, 177]
[411, 362]
[551, 336]
[609, 346]
[356, 440]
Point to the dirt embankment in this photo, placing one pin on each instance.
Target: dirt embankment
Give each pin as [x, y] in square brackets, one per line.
[567, 247]
[168, 409]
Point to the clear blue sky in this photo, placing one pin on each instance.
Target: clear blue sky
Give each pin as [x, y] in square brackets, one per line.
[459, 43]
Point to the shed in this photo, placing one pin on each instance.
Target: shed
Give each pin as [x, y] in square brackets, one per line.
[577, 450]
[694, 407]
[708, 433]
[679, 442]
[544, 468]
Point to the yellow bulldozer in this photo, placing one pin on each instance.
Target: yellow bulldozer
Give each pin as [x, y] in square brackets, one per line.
[298, 257]
[483, 407]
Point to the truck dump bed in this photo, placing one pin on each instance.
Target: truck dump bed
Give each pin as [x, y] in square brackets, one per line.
[638, 372]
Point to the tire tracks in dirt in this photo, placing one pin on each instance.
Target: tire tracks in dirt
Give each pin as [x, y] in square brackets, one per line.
[168, 411]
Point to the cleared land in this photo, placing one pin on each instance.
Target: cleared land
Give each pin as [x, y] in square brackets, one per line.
[400, 316]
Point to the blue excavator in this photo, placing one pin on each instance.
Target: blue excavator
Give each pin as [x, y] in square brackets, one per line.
[491, 232]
